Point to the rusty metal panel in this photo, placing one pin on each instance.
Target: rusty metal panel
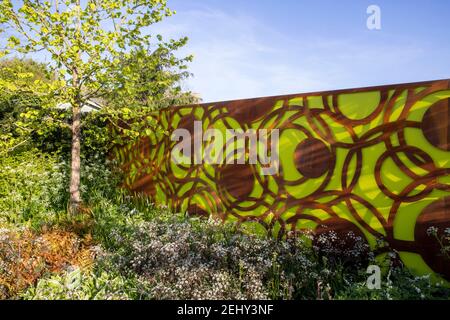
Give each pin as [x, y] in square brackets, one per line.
[374, 161]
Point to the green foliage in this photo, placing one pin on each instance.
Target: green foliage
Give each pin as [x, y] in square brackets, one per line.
[81, 285]
[100, 50]
[184, 258]
[79, 36]
[21, 98]
[397, 284]
[32, 189]
[95, 47]
[21, 74]
[151, 79]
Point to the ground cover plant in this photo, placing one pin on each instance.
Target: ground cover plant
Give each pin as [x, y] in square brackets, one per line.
[124, 247]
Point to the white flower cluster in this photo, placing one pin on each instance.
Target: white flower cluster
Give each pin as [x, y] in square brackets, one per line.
[203, 259]
[431, 231]
[345, 248]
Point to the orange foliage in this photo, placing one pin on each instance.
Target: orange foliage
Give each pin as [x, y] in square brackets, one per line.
[26, 256]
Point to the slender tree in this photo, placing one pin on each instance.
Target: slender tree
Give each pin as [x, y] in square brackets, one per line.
[87, 41]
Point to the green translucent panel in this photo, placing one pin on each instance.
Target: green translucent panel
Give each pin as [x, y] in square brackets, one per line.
[160, 195]
[306, 224]
[288, 213]
[255, 212]
[287, 195]
[359, 105]
[315, 102]
[398, 106]
[253, 227]
[185, 188]
[296, 102]
[289, 140]
[318, 213]
[407, 214]
[368, 217]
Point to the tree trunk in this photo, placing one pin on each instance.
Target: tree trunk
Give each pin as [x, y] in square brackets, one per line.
[75, 166]
[75, 196]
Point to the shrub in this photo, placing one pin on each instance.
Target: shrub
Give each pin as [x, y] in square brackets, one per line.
[25, 257]
[177, 257]
[181, 258]
[397, 284]
[150, 252]
[32, 189]
[80, 285]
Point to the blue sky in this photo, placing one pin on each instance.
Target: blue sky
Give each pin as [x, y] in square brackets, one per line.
[266, 47]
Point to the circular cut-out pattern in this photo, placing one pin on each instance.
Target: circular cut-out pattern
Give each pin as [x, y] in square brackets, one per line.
[361, 156]
[312, 158]
[436, 125]
[237, 179]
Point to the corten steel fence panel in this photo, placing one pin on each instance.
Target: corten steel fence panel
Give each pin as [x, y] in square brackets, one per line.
[374, 161]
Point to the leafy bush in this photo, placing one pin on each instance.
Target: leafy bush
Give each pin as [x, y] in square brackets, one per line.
[397, 284]
[177, 257]
[32, 189]
[182, 258]
[80, 285]
[26, 256]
